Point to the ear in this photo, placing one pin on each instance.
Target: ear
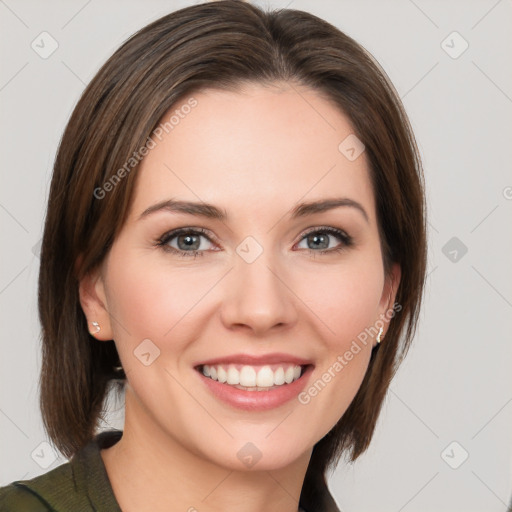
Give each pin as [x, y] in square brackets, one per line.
[94, 305]
[389, 291]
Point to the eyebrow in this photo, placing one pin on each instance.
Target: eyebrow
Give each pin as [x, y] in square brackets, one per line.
[211, 211]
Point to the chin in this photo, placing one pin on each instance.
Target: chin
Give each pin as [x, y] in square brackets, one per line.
[260, 454]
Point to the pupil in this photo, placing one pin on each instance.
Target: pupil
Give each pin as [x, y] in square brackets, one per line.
[323, 245]
[189, 241]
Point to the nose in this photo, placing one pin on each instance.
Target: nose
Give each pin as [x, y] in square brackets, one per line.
[258, 297]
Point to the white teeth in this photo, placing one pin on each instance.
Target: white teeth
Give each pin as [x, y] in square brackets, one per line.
[233, 376]
[222, 376]
[279, 376]
[254, 377]
[248, 376]
[265, 377]
[288, 375]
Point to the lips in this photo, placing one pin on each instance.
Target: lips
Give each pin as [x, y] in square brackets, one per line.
[256, 372]
[256, 360]
[255, 382]
[257, 398]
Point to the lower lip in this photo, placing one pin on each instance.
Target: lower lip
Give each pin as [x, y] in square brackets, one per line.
[257, 400]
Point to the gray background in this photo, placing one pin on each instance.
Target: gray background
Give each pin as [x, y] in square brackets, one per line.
[456, 384]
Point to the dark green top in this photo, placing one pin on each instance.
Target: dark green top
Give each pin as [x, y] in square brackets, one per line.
[82, 485]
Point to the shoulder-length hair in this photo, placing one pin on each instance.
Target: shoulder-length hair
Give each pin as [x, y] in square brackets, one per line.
[215, 45]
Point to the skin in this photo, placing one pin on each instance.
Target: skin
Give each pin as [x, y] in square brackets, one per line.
[256, 153]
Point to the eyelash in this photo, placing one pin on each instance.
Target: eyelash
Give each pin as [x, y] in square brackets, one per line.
[163, 241]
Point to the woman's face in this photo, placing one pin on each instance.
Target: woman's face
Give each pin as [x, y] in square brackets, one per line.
[274, 281]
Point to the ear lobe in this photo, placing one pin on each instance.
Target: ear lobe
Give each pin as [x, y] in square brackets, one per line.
[94, 305]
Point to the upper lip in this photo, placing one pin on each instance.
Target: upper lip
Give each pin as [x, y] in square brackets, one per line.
[274, 358]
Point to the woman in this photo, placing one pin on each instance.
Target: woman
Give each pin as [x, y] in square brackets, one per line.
[235, 236]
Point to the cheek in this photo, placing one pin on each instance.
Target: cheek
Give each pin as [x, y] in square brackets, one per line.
[345, 298]
[150, 298]
[347, 303]
[148, 294]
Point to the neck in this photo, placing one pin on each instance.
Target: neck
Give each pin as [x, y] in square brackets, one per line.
[150, 470]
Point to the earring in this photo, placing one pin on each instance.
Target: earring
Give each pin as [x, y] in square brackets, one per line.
[381, 330]
[96, 325]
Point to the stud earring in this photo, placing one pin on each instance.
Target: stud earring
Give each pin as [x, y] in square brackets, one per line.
[96, 325]
[381, 330]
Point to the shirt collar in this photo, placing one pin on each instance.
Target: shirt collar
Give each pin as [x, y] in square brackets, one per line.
[91, 475]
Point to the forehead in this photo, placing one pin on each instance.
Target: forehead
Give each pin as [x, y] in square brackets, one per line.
[264, 147]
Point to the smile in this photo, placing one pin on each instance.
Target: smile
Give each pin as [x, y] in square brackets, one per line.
[253, 378]
[254, 388]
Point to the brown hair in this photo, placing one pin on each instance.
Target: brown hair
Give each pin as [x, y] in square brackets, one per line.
[215, 45]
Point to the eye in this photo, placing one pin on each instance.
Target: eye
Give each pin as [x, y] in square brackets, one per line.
[185, 242]
[320, 238]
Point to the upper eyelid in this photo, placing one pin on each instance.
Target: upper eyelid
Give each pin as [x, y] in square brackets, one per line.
[177, 231]
[206, 232]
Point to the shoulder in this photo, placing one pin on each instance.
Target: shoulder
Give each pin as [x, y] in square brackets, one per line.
[80, 484]
[37, 494]
[16, 498]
